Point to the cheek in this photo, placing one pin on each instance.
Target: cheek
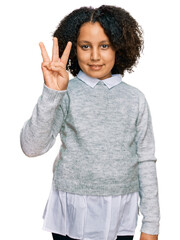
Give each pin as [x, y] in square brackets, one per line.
[81, 56]
[113, 57]
[109, 57]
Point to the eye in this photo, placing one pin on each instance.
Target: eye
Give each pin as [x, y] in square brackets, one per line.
[104, 46]
[85, 47]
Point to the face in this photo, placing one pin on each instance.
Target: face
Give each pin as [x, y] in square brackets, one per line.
[95, 54]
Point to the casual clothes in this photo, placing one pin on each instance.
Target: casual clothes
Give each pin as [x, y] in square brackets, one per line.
[107, 141]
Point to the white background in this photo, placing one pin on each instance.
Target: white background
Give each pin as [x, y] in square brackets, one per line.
[25, 182]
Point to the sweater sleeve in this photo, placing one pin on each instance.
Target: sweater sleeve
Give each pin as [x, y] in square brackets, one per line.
[39, 133]
[148, 184]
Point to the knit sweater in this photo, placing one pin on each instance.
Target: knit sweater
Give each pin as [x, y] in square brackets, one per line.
[107, 142]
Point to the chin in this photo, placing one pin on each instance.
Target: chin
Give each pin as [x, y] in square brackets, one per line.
[96, 74]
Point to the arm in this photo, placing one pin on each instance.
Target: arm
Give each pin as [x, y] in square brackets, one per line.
[149, 202]
[148, 185]
[39, 133]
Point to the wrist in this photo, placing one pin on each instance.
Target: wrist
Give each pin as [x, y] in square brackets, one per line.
[53, 89]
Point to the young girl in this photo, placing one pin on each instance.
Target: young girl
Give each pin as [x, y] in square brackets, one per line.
[106, 160]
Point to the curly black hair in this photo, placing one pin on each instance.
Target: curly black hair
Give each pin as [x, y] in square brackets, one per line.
[123, 31]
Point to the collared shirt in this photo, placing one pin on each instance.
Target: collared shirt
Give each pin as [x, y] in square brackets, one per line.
[109, 82]
[91, 217]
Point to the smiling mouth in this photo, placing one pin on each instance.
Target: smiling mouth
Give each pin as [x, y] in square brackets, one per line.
[95, 67]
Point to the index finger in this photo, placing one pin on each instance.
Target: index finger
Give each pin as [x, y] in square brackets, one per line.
[44, 53]
[65, 55]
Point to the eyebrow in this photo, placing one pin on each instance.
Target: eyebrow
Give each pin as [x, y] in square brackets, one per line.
[84, 41]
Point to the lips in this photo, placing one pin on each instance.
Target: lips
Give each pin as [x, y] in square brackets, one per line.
[95, 67]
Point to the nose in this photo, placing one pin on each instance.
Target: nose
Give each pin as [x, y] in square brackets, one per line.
[95, 54]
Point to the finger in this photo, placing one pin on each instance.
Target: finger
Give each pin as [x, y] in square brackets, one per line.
[65, 55]
[57, 64]
[44, 53]
[58, 69]
[46, 64]
[55, 51]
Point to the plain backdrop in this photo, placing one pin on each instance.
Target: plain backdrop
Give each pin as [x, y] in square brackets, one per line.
[25, 182]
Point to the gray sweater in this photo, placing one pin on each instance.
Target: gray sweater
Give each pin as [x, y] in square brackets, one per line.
[107, 142]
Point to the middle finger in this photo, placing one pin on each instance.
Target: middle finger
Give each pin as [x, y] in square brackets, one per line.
[55, 51]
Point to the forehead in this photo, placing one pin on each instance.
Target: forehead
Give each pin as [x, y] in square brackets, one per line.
[92, 32]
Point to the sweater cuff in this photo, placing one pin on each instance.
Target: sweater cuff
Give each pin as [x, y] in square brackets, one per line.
[52, 95]
[150, 228]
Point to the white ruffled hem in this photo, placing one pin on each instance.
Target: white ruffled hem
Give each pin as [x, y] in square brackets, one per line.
[91, 217]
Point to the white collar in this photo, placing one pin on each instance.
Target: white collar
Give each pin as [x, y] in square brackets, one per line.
[110, 82]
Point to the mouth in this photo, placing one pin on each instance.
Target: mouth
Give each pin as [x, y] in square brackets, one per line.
[95, 67]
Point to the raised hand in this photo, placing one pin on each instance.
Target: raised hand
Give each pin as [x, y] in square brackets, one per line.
[54, 72]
